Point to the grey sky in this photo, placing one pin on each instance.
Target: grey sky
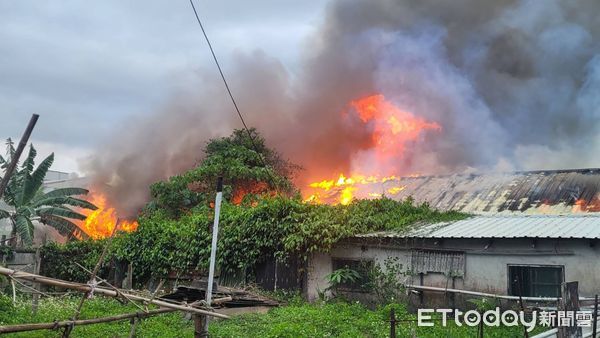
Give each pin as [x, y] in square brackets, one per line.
[86, 67]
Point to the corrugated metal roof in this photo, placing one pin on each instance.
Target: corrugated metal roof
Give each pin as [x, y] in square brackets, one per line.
[534, 192]
[531, 226]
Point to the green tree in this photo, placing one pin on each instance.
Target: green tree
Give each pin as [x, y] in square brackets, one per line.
[247, 165]
[27, 202]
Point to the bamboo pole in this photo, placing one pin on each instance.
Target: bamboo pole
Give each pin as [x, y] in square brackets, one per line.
[73, 323]
[103, 291]
[93, 275]
[112, 287]
[92, 279]
[488, 295]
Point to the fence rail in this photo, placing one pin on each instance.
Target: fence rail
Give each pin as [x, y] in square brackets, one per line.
[491, 295]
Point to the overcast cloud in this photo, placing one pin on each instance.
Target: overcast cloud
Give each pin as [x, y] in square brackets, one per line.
[87, 69]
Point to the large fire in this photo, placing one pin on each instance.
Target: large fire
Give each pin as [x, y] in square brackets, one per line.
[392, 129]
[342, 190]
[101, 222]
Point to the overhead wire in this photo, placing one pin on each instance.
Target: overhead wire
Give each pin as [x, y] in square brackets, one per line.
[235, 105]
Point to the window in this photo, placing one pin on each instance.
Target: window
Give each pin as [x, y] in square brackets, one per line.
[363, 267]
[446, 262]
[535, 281]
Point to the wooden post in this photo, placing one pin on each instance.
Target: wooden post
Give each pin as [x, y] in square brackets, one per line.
[392, 323]
[14, 291]
[133, 324]
[520, 287]
[595, 318]
[36, 286]
[201, 322]
[199, 326]
[129, 276]
[421, 295]
[480, 331]
[15, 158]
[452, 294]
[3, 243]
[569, 303]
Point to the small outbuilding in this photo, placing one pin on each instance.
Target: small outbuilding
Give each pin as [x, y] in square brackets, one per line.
[497, 254]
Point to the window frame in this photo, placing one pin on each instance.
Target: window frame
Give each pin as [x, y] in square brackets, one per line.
[462, 255]
[555, 266]
[360, 289]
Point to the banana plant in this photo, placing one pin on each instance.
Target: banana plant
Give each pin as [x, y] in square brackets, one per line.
[26, 201]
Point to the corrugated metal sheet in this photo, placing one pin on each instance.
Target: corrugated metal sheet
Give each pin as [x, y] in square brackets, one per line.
[529, 226]
[534, 192]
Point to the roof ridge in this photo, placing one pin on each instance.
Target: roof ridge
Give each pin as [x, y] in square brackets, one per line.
[582, 215]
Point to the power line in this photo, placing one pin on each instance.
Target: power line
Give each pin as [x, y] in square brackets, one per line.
[212, 51]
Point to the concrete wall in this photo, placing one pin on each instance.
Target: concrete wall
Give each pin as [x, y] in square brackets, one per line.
[41, 233]
[486, 268]
[21, 260]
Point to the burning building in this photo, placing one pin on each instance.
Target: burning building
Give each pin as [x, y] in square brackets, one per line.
[527, 192]
[539, 228]
[453, 104]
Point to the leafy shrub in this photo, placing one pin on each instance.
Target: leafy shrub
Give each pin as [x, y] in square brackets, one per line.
[248, 167]
[384, 280]
[6, 252]
[248, 235]
[161, 244]
[278, 227]
[58, 260]
[342, 276]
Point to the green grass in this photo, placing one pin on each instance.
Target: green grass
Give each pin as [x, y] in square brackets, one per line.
[341, 320]
[50, 309]
[298, 319]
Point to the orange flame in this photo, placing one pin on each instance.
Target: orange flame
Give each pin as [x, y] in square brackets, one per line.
[395, 190]
[101, 222]
[583, 205]
[251, 188]
[392, 127]
[392, 130]
[343, 189]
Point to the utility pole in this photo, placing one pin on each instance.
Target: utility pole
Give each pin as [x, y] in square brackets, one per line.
[201, 322]
[15, 158]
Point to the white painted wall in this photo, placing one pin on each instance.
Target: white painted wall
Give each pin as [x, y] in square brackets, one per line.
[486, 269]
